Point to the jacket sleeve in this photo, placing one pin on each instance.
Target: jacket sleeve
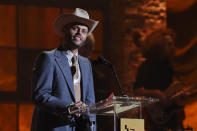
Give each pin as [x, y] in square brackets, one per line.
[90, 97]
[42, 85]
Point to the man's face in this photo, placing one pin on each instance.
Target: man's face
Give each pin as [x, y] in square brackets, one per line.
[169, 45]
[76, 34]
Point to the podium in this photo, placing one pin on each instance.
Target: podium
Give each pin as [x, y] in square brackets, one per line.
[115, 105]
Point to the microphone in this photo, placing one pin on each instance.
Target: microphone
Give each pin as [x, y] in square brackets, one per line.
[102, 60]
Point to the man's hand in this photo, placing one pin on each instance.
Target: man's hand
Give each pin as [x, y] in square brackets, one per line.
[164, 101]
[77, 108]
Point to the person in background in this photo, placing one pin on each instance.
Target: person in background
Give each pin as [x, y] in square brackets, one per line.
[155, 78]
[62, 79]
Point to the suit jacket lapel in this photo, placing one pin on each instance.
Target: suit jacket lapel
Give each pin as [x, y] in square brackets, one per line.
[84, 75]
[62, 61]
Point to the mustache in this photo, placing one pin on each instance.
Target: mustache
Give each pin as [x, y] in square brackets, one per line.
[77, 36]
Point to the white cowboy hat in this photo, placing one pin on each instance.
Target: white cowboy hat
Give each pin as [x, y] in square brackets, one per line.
[79, 16]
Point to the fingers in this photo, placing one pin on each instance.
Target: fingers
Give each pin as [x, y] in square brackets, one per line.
[77, 108]
[78, 104]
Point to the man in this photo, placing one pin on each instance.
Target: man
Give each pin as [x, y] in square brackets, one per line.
[62, 79]
[155, 79]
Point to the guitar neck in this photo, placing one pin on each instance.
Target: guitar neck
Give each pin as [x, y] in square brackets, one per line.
[184, 92]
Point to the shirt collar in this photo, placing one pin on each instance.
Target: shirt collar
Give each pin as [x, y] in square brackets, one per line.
[69, 55]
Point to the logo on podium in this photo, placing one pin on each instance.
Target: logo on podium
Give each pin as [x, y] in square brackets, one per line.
[127, 124]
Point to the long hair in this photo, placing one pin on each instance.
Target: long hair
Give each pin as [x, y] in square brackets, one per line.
[159, 44]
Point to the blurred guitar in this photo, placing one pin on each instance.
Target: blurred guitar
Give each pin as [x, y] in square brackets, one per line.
[160, 114]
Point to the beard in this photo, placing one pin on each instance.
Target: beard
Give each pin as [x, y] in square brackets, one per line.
[70, 44]
[77, 46]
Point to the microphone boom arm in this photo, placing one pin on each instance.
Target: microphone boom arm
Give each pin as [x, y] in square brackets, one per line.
[117, 80]
[102, 60]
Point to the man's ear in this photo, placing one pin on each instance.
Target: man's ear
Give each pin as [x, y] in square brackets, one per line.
[64, 29]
